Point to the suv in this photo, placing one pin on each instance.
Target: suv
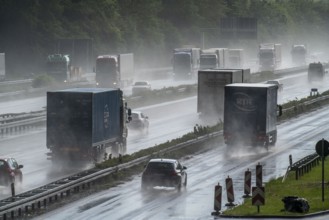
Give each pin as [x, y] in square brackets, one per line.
[164, 172]
[10, 171]
[316, 71]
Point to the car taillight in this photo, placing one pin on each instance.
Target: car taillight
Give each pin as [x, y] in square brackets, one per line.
[174, 173]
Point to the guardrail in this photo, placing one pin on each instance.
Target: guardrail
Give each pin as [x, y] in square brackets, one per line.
[18, 123]
[20, 205]
[303, 165]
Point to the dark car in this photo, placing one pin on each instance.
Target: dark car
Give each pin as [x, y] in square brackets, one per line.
[316, 72]
[164, 172]
[139, 121]
[10, 171]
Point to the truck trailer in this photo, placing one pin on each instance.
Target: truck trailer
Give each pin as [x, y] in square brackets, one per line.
[235, 58]
[211, 84]
[185, 62]
[250, 114]
[115, 71]
[83, 122]
[269, 56]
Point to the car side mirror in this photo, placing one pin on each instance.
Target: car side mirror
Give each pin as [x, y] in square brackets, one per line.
[279, 110]
[184, 167]
[20, 166]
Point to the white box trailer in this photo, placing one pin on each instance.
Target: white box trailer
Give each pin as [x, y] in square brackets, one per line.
[236, 58]
[210, 97]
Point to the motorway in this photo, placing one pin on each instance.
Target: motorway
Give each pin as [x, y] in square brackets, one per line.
[167, 121]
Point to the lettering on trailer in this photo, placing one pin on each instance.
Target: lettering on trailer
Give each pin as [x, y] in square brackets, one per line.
[244, 102]
[106, 116]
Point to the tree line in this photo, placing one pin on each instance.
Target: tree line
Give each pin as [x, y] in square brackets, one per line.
[148, 28]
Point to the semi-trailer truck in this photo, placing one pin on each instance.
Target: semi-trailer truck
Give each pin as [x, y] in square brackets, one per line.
[250, 114]
[83, 122]
[210, 96]
[298, 54]
[115, 71]
[59, 67]
[269, 56]
[185, 62]
[214, 58]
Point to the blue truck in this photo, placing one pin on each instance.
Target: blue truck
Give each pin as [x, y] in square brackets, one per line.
[250, 114]
[82, 123]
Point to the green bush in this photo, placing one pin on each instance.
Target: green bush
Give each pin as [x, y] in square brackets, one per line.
[42, 81]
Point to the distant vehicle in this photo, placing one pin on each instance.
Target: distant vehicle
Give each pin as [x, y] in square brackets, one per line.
[185, 62]
[235, 58]
[139, 121]
[115, 71]
[213, 58]
[164, 172]
[316, 72]
[298, 54]
[269, 56]
[140, 87]
[10, 171]
[276, 82]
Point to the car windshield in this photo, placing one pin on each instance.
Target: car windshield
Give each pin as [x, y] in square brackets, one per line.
[134, 116]
[160, 166]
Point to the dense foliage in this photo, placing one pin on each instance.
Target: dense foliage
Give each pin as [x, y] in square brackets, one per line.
[150, 29]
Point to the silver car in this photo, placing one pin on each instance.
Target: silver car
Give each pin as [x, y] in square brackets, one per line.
[139, 121]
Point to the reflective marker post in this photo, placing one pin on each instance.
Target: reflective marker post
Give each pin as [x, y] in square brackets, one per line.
[217, 200]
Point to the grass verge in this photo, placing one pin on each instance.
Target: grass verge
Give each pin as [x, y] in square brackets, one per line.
[309, 186]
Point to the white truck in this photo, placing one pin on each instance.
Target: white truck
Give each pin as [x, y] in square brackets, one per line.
[235, 58]
[214, 58]
[185, 62]
[115, 71]
[2, 67]
[269, 56]
[210, 95]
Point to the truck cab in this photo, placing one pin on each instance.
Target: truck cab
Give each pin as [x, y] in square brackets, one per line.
[107, 73]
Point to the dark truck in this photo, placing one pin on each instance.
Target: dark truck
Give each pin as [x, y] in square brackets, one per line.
[211, 83]
[83, 122]
[250, 114]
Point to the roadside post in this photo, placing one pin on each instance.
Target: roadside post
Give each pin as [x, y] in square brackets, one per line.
[217, 200]
[259, 175]
[247, 184]
[229, 191]
[322, 149]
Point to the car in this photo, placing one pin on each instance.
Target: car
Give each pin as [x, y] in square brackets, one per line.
[140, 87]
[138, 121]
[10, 171]
[276, 82]
[164, 172]
[316, 72]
